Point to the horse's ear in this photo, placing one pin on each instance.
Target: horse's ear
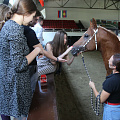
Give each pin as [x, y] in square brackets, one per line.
[93, 24]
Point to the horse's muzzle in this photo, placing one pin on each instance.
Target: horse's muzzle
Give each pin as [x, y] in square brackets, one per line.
[75, 50]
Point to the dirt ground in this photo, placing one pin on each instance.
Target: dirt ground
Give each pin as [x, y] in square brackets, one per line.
[72, 87]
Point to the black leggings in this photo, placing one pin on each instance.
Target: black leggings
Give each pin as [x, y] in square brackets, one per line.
[5, 117]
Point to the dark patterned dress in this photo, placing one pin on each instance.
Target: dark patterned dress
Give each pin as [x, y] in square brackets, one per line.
[15, 87]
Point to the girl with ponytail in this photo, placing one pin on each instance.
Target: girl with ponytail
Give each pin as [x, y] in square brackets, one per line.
[15, 86]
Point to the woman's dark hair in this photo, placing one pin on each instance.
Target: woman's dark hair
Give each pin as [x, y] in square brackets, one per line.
[38, 13]
[40, 19]
[5, 14]
[22, 7]
[58, 43]
[116, 61]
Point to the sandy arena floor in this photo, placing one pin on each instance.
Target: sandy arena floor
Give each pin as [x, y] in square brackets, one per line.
[72, 87]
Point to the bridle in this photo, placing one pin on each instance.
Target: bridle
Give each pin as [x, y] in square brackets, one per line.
[95, 32]
[81, 49]
[95, 108]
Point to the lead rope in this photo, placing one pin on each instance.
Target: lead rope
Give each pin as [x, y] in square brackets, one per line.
[96, 109]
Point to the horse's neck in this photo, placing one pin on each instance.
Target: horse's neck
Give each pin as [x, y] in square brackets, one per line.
[108, 42]
[108, 47]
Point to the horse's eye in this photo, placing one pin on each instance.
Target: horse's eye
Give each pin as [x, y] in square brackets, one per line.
[86, 35]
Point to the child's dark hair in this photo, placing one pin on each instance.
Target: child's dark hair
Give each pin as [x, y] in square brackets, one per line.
[38, 13]
[40, 19]
[116, 61]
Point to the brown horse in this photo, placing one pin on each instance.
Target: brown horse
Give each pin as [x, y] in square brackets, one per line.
[98, 38]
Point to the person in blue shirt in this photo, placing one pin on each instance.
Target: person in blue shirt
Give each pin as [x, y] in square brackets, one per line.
[39, 30]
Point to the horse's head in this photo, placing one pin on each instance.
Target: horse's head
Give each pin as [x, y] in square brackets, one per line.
[87, 41]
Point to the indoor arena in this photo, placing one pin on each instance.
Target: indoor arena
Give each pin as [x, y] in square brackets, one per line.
[63, 67]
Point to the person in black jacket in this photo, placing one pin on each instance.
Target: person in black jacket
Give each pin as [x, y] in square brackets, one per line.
[33, 42]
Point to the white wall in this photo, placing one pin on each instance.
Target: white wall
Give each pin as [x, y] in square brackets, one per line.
[83, 14]
[78, 13]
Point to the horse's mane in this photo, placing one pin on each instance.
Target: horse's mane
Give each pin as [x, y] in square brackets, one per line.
[108, 30]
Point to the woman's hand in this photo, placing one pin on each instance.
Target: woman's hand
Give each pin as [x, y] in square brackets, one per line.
[92, 84]
[40, 55]
[61, 60]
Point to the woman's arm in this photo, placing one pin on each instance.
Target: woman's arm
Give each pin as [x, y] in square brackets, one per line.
[104, 94]
[31, 56]
[20, 61]
[50, 51]
[69, 61]
[66, 52]
[47, 54]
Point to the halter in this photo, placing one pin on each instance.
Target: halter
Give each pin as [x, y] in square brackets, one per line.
[95, 32]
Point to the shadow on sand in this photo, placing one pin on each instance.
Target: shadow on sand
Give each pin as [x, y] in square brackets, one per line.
[72, 87]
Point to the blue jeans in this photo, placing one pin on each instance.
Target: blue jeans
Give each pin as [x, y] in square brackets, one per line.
[111, 112]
